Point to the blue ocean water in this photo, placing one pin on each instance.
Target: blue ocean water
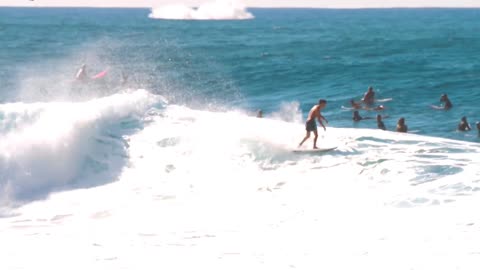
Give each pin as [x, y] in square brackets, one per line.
[281, 56]
[134, 174]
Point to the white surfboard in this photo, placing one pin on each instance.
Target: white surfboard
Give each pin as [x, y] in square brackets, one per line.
[345, 108]
[384, 100]
[437, 107]
[311, 150]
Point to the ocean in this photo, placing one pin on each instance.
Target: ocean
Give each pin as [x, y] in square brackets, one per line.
[162, 164]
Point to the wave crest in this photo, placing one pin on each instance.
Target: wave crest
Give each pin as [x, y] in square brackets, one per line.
[64, 145]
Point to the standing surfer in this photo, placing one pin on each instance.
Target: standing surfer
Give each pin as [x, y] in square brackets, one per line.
[311, 125]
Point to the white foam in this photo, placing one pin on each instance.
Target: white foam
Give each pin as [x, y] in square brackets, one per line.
[46, 144]
[225, 191]
[217, 10]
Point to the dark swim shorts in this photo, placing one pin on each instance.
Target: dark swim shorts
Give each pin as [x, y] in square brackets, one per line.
[311, 125]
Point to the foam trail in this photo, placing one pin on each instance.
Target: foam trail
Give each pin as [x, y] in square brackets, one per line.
[218, 10]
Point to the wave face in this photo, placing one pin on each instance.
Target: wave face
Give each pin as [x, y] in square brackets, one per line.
[47, 146]
[218, 10]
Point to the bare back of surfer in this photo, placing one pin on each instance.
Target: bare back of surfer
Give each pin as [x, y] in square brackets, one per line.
[311, 125]
[448, 105]
[464, 125]
[369, 96]
[401, 127]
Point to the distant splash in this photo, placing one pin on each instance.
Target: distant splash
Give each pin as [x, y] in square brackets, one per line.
[218, 10]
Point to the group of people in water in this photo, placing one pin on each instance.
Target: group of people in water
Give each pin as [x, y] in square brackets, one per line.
[367, 103]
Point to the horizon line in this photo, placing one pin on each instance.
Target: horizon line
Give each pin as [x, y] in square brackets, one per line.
[269, 7]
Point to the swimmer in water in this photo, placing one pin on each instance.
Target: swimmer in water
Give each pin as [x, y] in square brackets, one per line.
[464, 125]
[380, 123]
[355, 105]
[401, 127]
[369, 96]
[448, 105]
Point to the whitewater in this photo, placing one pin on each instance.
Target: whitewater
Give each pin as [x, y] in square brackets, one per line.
[147, 184]
[169, 168]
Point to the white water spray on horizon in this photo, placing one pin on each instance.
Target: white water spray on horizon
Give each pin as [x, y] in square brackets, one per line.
[217, 10]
